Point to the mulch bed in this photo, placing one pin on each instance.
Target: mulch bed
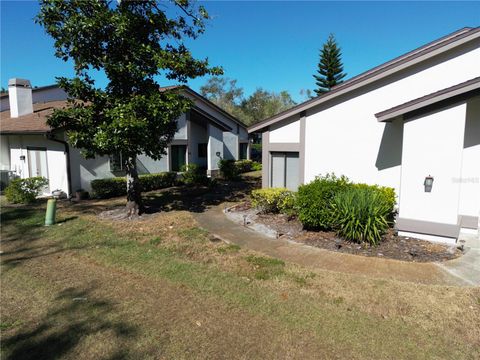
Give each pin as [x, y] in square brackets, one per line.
[392, 246]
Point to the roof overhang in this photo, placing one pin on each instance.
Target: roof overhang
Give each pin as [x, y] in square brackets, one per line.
[449, 95]
[414, 57]
[221, 125]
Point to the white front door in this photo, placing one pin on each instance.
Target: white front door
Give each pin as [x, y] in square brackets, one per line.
[37, 164]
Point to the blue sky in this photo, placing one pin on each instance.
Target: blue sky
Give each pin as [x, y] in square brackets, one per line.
[268, 44]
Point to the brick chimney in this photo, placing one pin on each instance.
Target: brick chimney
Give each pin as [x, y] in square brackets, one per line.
[20, 97]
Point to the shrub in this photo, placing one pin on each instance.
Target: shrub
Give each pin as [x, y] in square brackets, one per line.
[228, 169]
[117, 186]
[314, 200]
[244, 166]
[192, 174]
[149, 182]
[110, 187]
[256, 166]
[360, 213]
[274, 200]
[24, 191]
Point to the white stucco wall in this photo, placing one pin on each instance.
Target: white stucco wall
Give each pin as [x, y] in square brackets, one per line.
[433, 145]
[469, 203]
[198, 135]
[4, 153]
[215, 144]
[345, 137]
[56, 159]
[181, 133]
[287, 131]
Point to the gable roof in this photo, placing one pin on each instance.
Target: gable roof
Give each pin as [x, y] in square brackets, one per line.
[420, 54]
[34, 123]
[458, 91]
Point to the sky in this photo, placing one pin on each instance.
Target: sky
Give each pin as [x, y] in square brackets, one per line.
[272, 45]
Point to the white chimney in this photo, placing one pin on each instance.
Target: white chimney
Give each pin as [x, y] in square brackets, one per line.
[20, 97]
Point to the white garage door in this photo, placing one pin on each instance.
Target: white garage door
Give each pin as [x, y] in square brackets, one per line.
[285, 170]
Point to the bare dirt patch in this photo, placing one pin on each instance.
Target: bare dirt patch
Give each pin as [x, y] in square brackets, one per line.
[392, 245]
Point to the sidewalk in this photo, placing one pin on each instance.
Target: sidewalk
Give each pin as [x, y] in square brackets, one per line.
[214, 220]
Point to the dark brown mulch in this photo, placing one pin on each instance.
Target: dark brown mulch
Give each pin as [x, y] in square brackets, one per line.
[392, 246]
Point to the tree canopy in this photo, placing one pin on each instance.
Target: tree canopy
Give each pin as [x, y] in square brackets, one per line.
[132, 42]
[330, 67]
[258, 106]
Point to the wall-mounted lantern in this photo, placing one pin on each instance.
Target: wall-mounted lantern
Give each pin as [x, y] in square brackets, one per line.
[22, 157]
[217, 153]
[428, 183]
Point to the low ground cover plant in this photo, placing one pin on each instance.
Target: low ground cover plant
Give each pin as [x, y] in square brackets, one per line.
[25, 191]
[274, 200]
[247, 166]
[117, 186]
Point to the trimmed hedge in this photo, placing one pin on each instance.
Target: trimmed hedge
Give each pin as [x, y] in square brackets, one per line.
[112, 187]
[314, 201]
[274, 200]
[228, 169]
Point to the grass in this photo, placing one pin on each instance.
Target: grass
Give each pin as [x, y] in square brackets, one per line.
[161, 288]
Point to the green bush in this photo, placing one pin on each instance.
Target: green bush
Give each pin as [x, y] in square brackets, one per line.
[360, 213]
[117, 186]
[387, 193]
[192, 174]
[314, 201]
[24, 191]
[256, 166]
[274, 200]
[244, 166]
[149, 182]
[228, 169]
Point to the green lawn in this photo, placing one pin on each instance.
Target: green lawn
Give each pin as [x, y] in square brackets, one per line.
[162, 288]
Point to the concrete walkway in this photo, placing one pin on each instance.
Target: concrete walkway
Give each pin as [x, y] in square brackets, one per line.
[214, 220]
[466, 267]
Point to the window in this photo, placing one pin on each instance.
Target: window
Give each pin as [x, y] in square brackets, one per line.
[243, 151]
[116, 162]
[202, 150]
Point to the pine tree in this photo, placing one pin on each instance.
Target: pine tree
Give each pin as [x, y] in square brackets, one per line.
[330, 67]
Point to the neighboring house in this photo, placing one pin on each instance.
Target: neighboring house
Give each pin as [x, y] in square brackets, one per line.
[400, 124]
[29, 147]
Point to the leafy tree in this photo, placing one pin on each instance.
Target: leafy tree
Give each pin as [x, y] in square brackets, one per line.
[225, 93]
[263, 104]
[132, 42]
[260, 105]
[330, 67]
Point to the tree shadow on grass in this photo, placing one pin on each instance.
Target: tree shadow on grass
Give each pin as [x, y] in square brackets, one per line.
[199, 199]
[75, 314]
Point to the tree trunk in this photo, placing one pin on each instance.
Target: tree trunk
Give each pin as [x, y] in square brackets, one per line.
[134, 194]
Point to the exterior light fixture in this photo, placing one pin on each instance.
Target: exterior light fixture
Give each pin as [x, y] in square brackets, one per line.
[22, 157]
[217, 153]
[428, 183]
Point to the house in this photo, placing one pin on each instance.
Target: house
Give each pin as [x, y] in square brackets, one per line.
[412, 123]
[29, 147]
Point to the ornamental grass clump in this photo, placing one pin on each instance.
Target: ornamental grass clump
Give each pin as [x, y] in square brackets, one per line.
[361, 214]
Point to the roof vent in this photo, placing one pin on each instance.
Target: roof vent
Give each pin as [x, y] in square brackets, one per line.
[20, 97]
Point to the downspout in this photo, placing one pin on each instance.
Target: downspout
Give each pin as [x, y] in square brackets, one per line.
[51, 137]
